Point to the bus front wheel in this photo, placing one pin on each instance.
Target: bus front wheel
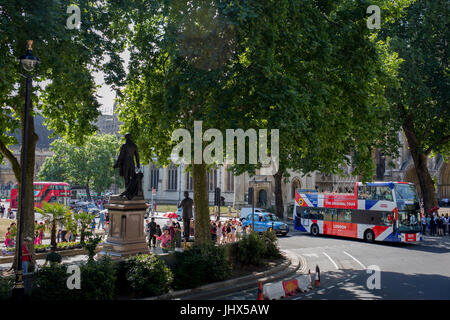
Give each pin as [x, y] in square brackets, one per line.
[369, 236]
[314, 230]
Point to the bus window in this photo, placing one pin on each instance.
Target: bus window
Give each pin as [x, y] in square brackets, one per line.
[299, 212]
[328, 214]
[387, 218]
[363, 193]
[306, 214]
[344, 215]
[383, 193]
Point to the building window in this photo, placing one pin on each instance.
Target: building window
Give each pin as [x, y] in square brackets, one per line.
[154, 177]
[230, 181]
[188, 181]
[172, 174]
[212, 180]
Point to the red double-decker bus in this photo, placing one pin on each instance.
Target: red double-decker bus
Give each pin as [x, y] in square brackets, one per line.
[45, 192]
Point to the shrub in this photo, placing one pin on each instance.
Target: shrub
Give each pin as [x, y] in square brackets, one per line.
[6, 286]
[147, 275]
[98, 279]
[200, 265]
[271, 251]
[254, 248]
[51, 283]
[97, 282]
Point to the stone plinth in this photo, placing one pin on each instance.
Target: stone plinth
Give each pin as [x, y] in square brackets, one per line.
[126, 235]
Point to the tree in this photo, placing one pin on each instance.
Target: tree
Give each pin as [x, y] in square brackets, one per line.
[54, 213]
[311, 70]
[66, 91]
[420, 104]
[96, 155]
[84, 220]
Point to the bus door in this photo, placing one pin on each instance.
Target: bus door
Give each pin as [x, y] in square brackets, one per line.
[305, 218]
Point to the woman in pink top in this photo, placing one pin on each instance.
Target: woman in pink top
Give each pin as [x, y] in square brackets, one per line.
[165, 240]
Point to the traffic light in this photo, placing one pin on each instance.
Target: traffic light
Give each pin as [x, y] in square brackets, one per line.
[250, 195]
[217, 196]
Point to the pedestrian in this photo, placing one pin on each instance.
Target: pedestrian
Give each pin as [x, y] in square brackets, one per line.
[440, 225]
[424, 224]
[157, 235]
[58, 236]
[219, 232]
[165, 240]
[228, 232]
[8, 237]
[433, 226]
[446, 225]
[101, 221]
[2, 211]
[152, 230]
[233, 232]
[26, 255]
[429, 223]
[213, 231]
[177, 227]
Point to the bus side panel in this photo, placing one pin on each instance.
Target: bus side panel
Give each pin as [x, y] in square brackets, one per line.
[298, 224]
[345, 229]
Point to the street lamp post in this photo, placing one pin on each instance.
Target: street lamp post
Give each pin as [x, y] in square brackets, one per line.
[28, 63]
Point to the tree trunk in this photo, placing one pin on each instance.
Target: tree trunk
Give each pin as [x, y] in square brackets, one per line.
[28, 223]
[88, 192]
[279, 210]
[421, 167]
[53, 235]
[202, 231]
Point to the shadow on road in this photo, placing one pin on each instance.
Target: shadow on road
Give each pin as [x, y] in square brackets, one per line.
[393, 286]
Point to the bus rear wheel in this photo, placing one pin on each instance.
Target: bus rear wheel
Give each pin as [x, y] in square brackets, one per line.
[369, 236]
[314, 230]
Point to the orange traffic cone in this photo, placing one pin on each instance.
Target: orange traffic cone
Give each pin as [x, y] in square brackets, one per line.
[317, 280]
[260, 293]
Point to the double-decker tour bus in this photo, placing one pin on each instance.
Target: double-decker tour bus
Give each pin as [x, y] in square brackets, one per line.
[381, 211]
[45, 192]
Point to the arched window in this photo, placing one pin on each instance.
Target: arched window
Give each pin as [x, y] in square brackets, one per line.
[154, 177]
[188, 181]
[230, 181]
[212, 180]
[172, 174]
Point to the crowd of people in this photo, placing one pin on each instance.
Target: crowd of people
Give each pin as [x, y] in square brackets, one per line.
[435, 224]
[6, 214]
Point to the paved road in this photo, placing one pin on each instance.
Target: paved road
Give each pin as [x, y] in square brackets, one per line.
[407, 271]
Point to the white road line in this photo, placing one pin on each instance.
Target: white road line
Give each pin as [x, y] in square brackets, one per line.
[335, 265]
[330, 287]
[364, 267]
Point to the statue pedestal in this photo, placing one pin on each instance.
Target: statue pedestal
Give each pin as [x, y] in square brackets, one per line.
[126, 235]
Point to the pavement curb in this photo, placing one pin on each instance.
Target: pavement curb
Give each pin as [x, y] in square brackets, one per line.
[224, 287]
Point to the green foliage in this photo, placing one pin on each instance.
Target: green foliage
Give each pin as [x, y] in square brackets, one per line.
[88, 165]
[97, 282]
[50, 283]
[146, 274]
[272, 251]
[91, 245]
[6, 286]
[84, 220]
[250, 250]
[201, 265]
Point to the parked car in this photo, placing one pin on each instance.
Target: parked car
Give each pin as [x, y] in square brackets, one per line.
[246, 211]
[265, 221]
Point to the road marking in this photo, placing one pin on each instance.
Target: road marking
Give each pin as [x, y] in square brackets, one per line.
[352, 277]
[364, 267]
[330, 287]
[335, 265]
[315, 255]
[340, 283]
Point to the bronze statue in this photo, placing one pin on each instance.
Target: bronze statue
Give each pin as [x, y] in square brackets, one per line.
[127, 169]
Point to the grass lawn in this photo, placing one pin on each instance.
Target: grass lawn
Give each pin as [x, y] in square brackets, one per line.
[4, 225]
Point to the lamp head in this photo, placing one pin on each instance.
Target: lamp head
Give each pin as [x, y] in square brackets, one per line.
[29, 61]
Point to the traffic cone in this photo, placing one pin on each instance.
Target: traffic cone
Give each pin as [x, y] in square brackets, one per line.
[260, 293]
[317, 279]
